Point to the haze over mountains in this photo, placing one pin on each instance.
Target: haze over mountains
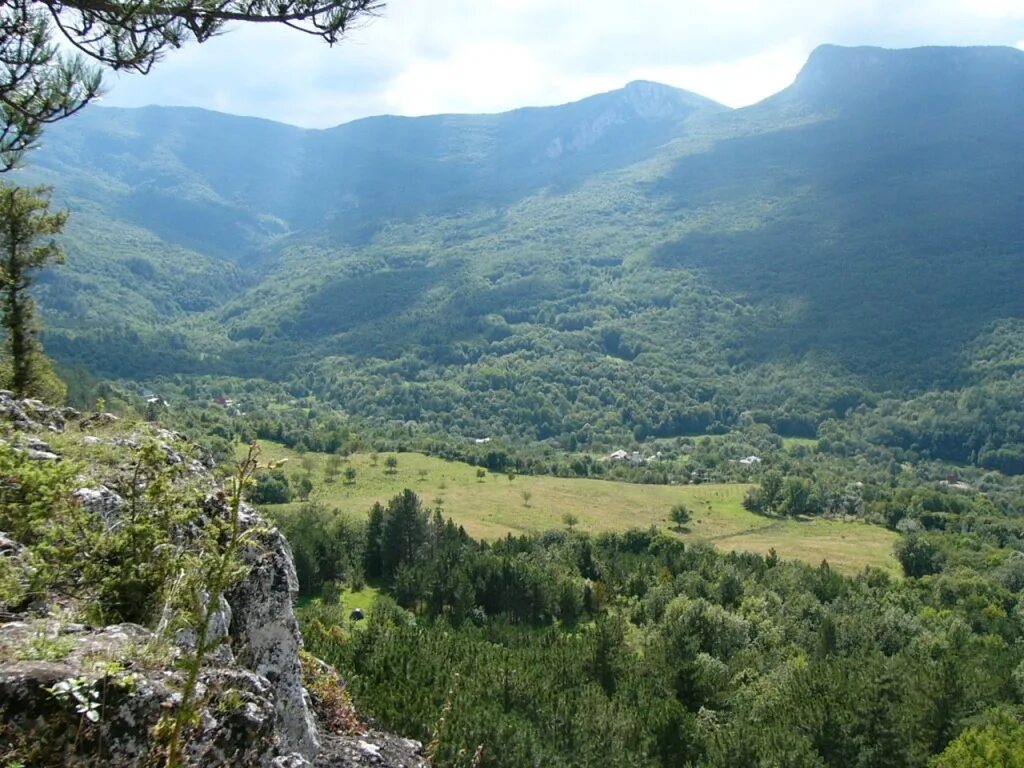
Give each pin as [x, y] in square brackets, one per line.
[863, 225]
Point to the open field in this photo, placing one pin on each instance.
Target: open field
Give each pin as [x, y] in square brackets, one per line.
[363, 599]
[493, 506]
[791, 443]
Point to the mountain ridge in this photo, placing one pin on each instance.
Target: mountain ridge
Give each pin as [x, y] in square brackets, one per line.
[624, 89]
[272, 177]
[854, 76]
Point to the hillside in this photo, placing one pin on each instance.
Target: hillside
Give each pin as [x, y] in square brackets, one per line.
[643, 263]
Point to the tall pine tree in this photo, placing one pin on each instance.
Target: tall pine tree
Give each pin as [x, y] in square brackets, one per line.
[27, 228]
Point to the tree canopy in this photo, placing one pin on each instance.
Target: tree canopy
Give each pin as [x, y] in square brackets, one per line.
[41, 84]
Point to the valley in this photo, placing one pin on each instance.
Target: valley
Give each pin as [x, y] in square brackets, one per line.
[633, 431]
[493, 506]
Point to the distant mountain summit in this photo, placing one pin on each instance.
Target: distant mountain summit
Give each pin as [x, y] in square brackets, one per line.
[654, 101]
[932, 78]
[590, 121]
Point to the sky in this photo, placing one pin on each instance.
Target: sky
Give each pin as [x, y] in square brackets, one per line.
[433, 56]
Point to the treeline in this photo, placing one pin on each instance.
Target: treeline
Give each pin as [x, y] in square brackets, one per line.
[632, 649]
[981, 425]
[911, 506]
[538, 395]
[220, 412]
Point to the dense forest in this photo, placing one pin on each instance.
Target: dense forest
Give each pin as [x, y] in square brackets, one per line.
[635, 649]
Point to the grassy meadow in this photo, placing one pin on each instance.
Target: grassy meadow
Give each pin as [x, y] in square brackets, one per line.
[494, 505]
[792, 443]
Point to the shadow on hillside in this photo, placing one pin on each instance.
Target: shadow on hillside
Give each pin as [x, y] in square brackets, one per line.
[888, 258]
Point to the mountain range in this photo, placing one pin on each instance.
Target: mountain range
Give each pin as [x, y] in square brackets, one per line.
[644, 261]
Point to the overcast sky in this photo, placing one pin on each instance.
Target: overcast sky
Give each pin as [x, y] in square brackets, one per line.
[430, 56]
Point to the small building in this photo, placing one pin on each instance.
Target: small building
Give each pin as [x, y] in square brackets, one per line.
[750, 461]
[701, 475]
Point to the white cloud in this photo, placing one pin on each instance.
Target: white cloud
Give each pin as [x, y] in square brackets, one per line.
[472, 56]
[477, 77]
[999, 9]
[734, 83]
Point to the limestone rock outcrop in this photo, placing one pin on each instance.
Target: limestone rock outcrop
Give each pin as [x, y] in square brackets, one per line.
[265, 636]
[72, 694]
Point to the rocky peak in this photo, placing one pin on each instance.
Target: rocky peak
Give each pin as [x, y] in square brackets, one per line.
[929, 78]
[655, 101]
[626, 114]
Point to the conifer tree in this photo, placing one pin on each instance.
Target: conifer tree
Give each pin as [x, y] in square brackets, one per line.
[27, 228]
[372, 557]
[403, 534]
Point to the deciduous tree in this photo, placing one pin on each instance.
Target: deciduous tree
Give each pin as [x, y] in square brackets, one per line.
[679, 515]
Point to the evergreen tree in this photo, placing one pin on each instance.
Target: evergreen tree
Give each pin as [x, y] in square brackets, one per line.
[883, 740]
[374, 529]
[25, 219]
[403, 534]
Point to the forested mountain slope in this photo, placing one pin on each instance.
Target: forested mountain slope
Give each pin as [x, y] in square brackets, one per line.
[642, 262]
[894, 221]
[224, 185]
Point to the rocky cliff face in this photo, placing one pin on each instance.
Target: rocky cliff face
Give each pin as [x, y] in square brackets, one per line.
[72, 693]
[265, 637]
